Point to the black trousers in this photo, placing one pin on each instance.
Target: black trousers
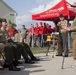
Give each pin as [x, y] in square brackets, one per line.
[21, 49]
[9, 54]
[24, 50]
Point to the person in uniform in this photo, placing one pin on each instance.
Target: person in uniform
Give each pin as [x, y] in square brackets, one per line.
[72, 29]
[62, 44]
[7, 48]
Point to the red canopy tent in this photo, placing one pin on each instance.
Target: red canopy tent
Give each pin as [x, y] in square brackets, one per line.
[63, 7]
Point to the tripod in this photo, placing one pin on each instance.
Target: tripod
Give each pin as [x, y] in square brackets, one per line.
[64, 51]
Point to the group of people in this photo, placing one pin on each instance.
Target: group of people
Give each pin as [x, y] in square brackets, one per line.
[39, 33]
[13, 50]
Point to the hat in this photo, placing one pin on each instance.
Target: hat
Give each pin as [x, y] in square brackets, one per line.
[74, 4]
[4, 20]
[61, 15]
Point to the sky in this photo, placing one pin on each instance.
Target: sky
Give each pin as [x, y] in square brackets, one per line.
[25, 9]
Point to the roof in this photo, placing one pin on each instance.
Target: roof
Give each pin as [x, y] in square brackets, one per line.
[63, 7]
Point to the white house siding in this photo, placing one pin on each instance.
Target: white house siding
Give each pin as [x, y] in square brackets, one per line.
[7, 12]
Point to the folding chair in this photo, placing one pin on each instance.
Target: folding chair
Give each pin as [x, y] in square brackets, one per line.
[2, 55]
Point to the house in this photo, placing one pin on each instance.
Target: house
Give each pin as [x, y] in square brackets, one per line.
[7, 12]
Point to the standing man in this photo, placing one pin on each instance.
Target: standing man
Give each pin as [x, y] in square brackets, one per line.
[23, 33]
[62, 36]
[45, 31]
[41, 33]
[73, 33]
[31, 33]
[50, 30]
[37, 35]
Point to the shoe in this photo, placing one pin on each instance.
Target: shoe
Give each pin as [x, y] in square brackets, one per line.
[59, 55]
[66, 55]
[35, 59]
[16, 62]
[13, 68]
[28, 61]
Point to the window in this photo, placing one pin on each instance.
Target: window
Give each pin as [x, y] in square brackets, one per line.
[11, 14]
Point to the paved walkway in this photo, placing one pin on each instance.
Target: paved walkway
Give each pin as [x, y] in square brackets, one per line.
[47, 66]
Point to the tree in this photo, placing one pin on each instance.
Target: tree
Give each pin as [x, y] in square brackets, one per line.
[12, 24]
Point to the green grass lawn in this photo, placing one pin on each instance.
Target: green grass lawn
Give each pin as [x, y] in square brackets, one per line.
[37, 50]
